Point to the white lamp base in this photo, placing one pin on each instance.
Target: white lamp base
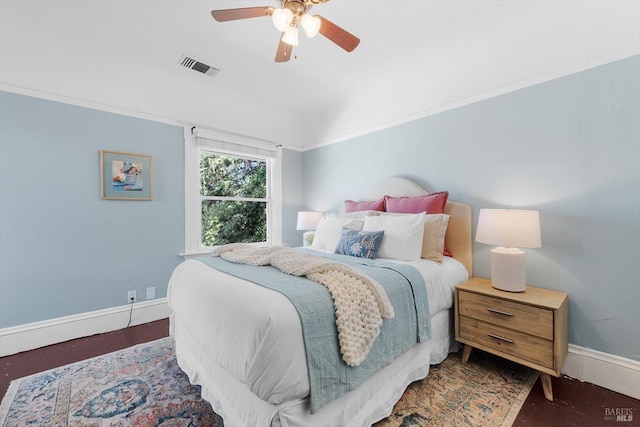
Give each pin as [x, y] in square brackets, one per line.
[307, 238]
[508, 269]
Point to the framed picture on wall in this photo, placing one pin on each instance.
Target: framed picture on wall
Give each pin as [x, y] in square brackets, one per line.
[126, 176]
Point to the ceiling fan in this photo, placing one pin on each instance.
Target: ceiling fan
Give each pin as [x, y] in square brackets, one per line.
[287, 18]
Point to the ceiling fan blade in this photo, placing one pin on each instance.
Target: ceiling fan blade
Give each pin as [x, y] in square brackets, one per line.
[338, 35]
[283, 54]
[224, 15]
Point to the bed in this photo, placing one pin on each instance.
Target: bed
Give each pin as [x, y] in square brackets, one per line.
[243, 343]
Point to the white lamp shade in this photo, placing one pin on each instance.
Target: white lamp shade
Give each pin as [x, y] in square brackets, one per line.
[308, 220]
[310, 24]
[290, 36]
[509, 228]
[282, 18]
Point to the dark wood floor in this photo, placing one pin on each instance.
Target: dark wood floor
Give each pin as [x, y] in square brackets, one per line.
[576, 403]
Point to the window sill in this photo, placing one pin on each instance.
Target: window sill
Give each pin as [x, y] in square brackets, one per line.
[188, 255]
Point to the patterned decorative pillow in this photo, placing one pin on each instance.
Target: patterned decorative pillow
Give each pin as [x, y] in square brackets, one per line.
[360, 244]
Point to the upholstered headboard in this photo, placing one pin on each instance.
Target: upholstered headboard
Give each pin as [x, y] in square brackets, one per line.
[458, 238]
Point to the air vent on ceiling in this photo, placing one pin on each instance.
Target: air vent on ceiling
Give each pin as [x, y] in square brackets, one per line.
[210, 71]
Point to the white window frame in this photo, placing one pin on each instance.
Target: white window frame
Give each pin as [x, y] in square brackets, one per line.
[198, 140]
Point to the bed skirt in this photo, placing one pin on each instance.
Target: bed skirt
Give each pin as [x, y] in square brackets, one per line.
[371, 402]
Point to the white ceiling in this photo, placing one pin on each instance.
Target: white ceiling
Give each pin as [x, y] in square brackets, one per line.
[415, 58]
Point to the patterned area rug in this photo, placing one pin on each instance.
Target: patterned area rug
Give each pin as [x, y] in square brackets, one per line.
[143, 386]
[486, 391]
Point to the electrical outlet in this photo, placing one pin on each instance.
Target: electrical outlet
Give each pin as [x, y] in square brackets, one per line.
[132, 296]
[151, 292]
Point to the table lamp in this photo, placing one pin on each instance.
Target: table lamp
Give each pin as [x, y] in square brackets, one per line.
[509, 229]
[308, 221]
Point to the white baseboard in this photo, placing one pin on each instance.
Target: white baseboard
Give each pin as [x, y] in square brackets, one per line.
[602, 369]
[39, 334]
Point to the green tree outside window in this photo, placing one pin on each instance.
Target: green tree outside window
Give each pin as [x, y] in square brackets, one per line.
[234, 199]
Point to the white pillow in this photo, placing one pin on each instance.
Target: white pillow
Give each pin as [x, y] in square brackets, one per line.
[355, 214]
[329, 231]
[403, 235]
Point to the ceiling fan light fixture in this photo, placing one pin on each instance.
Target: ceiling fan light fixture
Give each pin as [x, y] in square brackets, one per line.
[287, 18]
[310, 24]
[282, 18]
[290, 36]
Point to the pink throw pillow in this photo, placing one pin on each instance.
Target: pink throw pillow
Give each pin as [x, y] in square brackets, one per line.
[376, 205]
[432, 203]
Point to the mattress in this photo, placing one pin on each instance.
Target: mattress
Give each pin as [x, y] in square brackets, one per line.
[256, 355]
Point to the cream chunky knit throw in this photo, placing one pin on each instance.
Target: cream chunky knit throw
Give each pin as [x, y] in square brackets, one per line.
[360, 302]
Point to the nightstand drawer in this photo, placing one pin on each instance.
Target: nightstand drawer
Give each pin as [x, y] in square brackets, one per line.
[527, 327]
[520, 317]
[508, 341]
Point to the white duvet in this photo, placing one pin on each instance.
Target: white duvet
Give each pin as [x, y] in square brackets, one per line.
[255, 334]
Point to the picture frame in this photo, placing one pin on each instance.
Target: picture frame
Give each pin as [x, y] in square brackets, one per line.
[126, 176]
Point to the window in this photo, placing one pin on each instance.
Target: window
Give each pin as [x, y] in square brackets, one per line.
[232, 188]
[234, 203]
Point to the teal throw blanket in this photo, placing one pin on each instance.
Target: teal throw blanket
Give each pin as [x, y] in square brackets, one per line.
[329, 376]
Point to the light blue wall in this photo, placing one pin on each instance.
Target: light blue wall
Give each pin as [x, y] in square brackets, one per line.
[292, 196]
[569, 148]
[64, 250]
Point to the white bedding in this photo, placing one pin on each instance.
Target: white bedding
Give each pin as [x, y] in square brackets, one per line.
[235, 352]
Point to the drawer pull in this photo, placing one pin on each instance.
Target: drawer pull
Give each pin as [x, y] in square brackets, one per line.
[504, 313]
[501, 338]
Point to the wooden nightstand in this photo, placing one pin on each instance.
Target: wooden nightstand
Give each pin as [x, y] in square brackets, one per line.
[528, 327]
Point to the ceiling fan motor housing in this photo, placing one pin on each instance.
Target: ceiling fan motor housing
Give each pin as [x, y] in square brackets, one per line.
[300, 7]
